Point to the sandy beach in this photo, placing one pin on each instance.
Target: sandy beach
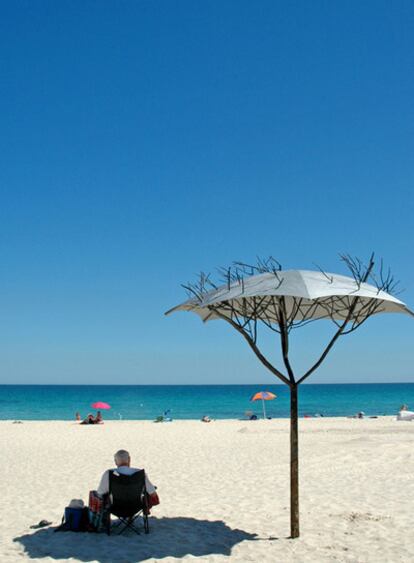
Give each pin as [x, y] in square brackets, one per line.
[223, 488]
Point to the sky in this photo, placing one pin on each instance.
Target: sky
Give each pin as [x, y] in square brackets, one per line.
[145, 141]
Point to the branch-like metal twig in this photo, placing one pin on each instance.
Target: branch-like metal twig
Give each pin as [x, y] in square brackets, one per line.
[255, 349]
[342, 327]
[284, 337]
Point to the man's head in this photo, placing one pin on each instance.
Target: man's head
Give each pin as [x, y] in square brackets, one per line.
[122, 457]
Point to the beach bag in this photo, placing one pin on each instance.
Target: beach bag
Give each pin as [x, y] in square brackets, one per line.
[75, 518]
[98, 511]
[152, 500]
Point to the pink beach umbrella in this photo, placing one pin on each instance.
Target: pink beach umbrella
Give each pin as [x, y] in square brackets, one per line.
[100, 406]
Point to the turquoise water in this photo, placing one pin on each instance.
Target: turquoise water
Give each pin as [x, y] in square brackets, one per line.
[141, 402]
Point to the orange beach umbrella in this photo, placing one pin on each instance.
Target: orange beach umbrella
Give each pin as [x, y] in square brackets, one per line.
[263, 396]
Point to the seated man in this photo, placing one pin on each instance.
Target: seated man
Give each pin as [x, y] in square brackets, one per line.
[123, 464]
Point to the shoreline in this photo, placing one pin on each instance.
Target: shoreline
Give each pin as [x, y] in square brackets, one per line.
[190, 420]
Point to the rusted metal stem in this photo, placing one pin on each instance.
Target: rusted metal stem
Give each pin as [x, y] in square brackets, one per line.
[294, 463]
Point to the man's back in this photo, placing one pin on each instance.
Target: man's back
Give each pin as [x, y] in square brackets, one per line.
[103, 488]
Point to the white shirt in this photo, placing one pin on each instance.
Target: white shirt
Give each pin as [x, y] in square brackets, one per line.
[103, 488]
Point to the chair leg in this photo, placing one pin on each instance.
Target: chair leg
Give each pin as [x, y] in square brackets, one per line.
[123, 524]
[133, 527]
[108, 525]
[128, 524]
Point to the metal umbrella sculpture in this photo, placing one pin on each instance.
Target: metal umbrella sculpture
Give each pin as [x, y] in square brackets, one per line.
[265, 296]
[263, 396]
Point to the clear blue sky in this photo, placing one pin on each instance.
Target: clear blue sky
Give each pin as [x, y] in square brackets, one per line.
[144, 141]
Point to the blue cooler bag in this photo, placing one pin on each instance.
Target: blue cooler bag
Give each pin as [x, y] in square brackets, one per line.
[75, 519]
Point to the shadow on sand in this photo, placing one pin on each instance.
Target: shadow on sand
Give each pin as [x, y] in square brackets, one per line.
[168, 537]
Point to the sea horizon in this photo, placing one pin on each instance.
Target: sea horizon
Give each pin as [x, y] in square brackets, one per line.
[200, 384]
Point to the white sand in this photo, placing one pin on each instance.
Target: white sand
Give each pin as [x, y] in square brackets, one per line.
[224, 490]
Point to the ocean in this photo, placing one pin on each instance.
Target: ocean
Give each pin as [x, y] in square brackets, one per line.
[146, 402]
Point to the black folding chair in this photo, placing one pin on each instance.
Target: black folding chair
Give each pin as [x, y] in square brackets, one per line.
[128, 501]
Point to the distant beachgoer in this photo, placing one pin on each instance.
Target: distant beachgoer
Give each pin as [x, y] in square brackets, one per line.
[404, 407]
[90, 419]
[77, 416]
[360, 414]
[206, 418]
[164, 417]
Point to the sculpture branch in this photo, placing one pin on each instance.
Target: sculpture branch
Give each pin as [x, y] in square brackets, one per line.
[255, 349]
[284, 337]
[360, 276]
